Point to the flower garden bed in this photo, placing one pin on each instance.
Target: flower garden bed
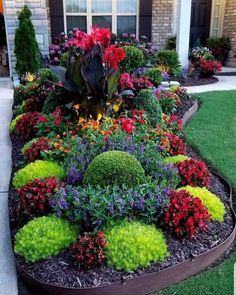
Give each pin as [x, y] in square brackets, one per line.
[105, 195]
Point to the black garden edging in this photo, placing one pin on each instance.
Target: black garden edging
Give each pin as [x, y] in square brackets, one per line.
[147, 283]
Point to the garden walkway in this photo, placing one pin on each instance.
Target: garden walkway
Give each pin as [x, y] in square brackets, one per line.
[224, 83]
[8, 278]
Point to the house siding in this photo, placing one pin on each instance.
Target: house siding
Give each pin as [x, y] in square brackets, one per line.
[39, 20]
[162, 16]
[230, 22]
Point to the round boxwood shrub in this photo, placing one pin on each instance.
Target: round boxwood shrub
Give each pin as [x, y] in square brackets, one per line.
[114, 168]
[214, 205]
[134, 59]
[146, 100]
[38, 169]
[44, 237]
[133, 244]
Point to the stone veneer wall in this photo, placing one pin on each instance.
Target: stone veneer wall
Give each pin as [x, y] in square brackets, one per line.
[39, 19]
[162, 16]
[230, 22]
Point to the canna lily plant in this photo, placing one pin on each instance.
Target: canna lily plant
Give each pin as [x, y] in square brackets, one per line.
[93, 67]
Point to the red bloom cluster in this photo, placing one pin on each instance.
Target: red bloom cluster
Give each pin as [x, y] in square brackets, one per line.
[113, 55]
[57, 115]
[127, 124]
[194, 173]
[186, 215]
[36, 194]
[32, 153]
[88, 251]
[210, 67]
[177, 145]
[25, 126]
[138, 116]
[173, 123]
[128, 82]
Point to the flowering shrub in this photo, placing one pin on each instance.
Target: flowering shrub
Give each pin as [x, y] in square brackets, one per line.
[37, 169]
[172, 124]
[168, 100]
[33, 151]
[214, 205]
[193, 173]
[23, 92]
[127, 249]
[26, 125]
[209, 67]
[43, 237]
[177, 145]
[198, 53]
[35, 196]
[114, 168]
[88, 251]
[129, 82]
[93, 207]
[186, 215]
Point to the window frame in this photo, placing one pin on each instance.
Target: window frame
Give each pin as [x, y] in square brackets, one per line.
[89, 15]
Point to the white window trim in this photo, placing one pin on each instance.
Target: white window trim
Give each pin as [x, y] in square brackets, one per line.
[113, 14]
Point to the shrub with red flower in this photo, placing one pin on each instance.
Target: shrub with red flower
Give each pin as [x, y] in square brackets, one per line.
[173, 124]
[193, 173]
[36, 194]
[138, 116]
[32, 153]
[142, 83]
[209, 67]
[186, 216]
[126, 82]
[88, 251]
[25, 126]
[177, 145]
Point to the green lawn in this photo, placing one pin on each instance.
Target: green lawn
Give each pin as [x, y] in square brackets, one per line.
[212, 132]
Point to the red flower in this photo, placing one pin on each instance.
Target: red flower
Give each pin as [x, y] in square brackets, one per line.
[186, 215]
[101, 36]
[177, 145]
[113, 55]
[42, 119]
[33, 152]
[128, 125]
[126, 82]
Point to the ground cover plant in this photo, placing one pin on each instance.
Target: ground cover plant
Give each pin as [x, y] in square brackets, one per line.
[106, 180]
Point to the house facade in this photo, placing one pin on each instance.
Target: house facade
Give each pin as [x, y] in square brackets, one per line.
[155, 19]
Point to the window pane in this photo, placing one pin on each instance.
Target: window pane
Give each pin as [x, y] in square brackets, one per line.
[79, 22]
[127, 6]
[126, 24]
[76, 6]
[103, 21]
[102, 6]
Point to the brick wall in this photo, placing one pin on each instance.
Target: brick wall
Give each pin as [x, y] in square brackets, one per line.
[161, 21]
[230, 22]
[39, 19]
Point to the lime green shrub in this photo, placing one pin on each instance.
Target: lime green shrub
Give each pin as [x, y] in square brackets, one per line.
[44, 237]
[37, 169]
[214, 205]
[13, 123]
[46, 75]
[169, 60]
[147, 101]
[114, 168]
[134, 59]
[133, 244]
[176, 159]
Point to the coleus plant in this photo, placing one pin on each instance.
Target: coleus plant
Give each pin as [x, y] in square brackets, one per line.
[93, 66]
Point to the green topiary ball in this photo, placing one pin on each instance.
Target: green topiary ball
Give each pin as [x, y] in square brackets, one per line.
[134, 59]
[37, 169]
[147, 101]
[44, 237]
[133, 244]
[114, 168]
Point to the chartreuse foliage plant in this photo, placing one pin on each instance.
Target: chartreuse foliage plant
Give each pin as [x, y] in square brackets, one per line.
[114, 168]
[176, 159]
[13, 123]
[133, 244]
[44, 237]
[146, 100]
[214, 205]
[37, 169]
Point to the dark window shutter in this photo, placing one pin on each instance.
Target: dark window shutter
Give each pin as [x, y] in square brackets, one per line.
[145, 18]
[57, 18]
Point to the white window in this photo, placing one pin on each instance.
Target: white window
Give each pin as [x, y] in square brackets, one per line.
[121, 16]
